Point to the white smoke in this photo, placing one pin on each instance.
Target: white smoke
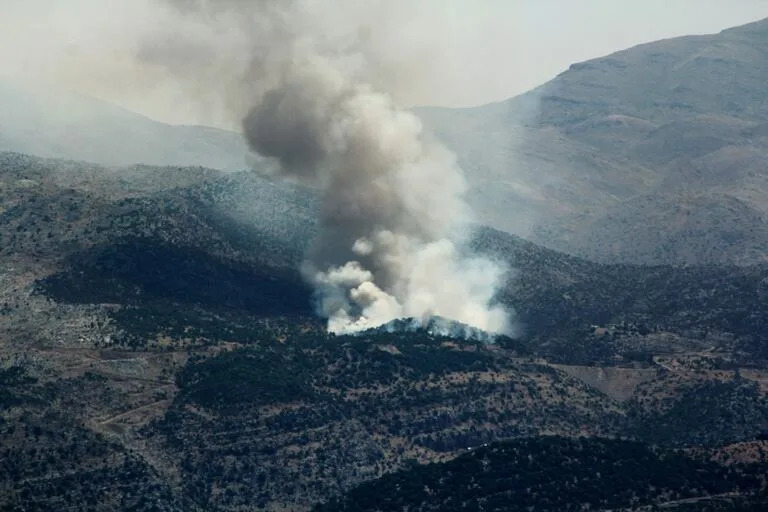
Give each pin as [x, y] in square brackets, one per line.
[390, 243]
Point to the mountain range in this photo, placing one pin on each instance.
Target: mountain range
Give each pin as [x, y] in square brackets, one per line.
[655, 154]
[47, 122]
[159, 349]
[650, 155]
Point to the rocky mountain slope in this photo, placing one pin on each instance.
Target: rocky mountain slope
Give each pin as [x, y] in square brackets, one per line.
[652, 155]
[655, 154]
[155, 332]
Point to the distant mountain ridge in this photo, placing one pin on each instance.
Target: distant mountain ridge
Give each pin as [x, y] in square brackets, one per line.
[655, 154]
[55, 124]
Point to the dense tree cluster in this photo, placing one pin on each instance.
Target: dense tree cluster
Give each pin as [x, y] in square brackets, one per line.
[553, 474]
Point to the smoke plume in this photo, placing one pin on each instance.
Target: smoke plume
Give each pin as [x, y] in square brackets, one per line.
[392, 225]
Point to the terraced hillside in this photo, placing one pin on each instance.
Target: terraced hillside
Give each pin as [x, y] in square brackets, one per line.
[155, 330]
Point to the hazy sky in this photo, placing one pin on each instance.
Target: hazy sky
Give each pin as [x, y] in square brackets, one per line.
[432, 52]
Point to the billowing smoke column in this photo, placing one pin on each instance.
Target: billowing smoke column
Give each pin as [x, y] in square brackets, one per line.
[390, 231]
[391, 203]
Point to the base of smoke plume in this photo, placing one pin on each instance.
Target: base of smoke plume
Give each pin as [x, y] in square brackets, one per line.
[435, 326]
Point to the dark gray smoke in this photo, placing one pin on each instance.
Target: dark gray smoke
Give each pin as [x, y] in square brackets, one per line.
[392, 209]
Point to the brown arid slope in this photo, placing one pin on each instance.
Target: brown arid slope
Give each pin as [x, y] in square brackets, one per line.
[654, 155]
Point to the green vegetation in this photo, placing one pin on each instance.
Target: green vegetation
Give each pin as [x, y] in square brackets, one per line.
[261, 421]
[550, 474]
[560, 299]
[163, 309]
[255, 377]
[710, 413]
[14, 381]
[141, 272]
[49, 460]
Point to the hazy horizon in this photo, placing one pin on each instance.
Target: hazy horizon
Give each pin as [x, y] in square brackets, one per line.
[452, 54]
